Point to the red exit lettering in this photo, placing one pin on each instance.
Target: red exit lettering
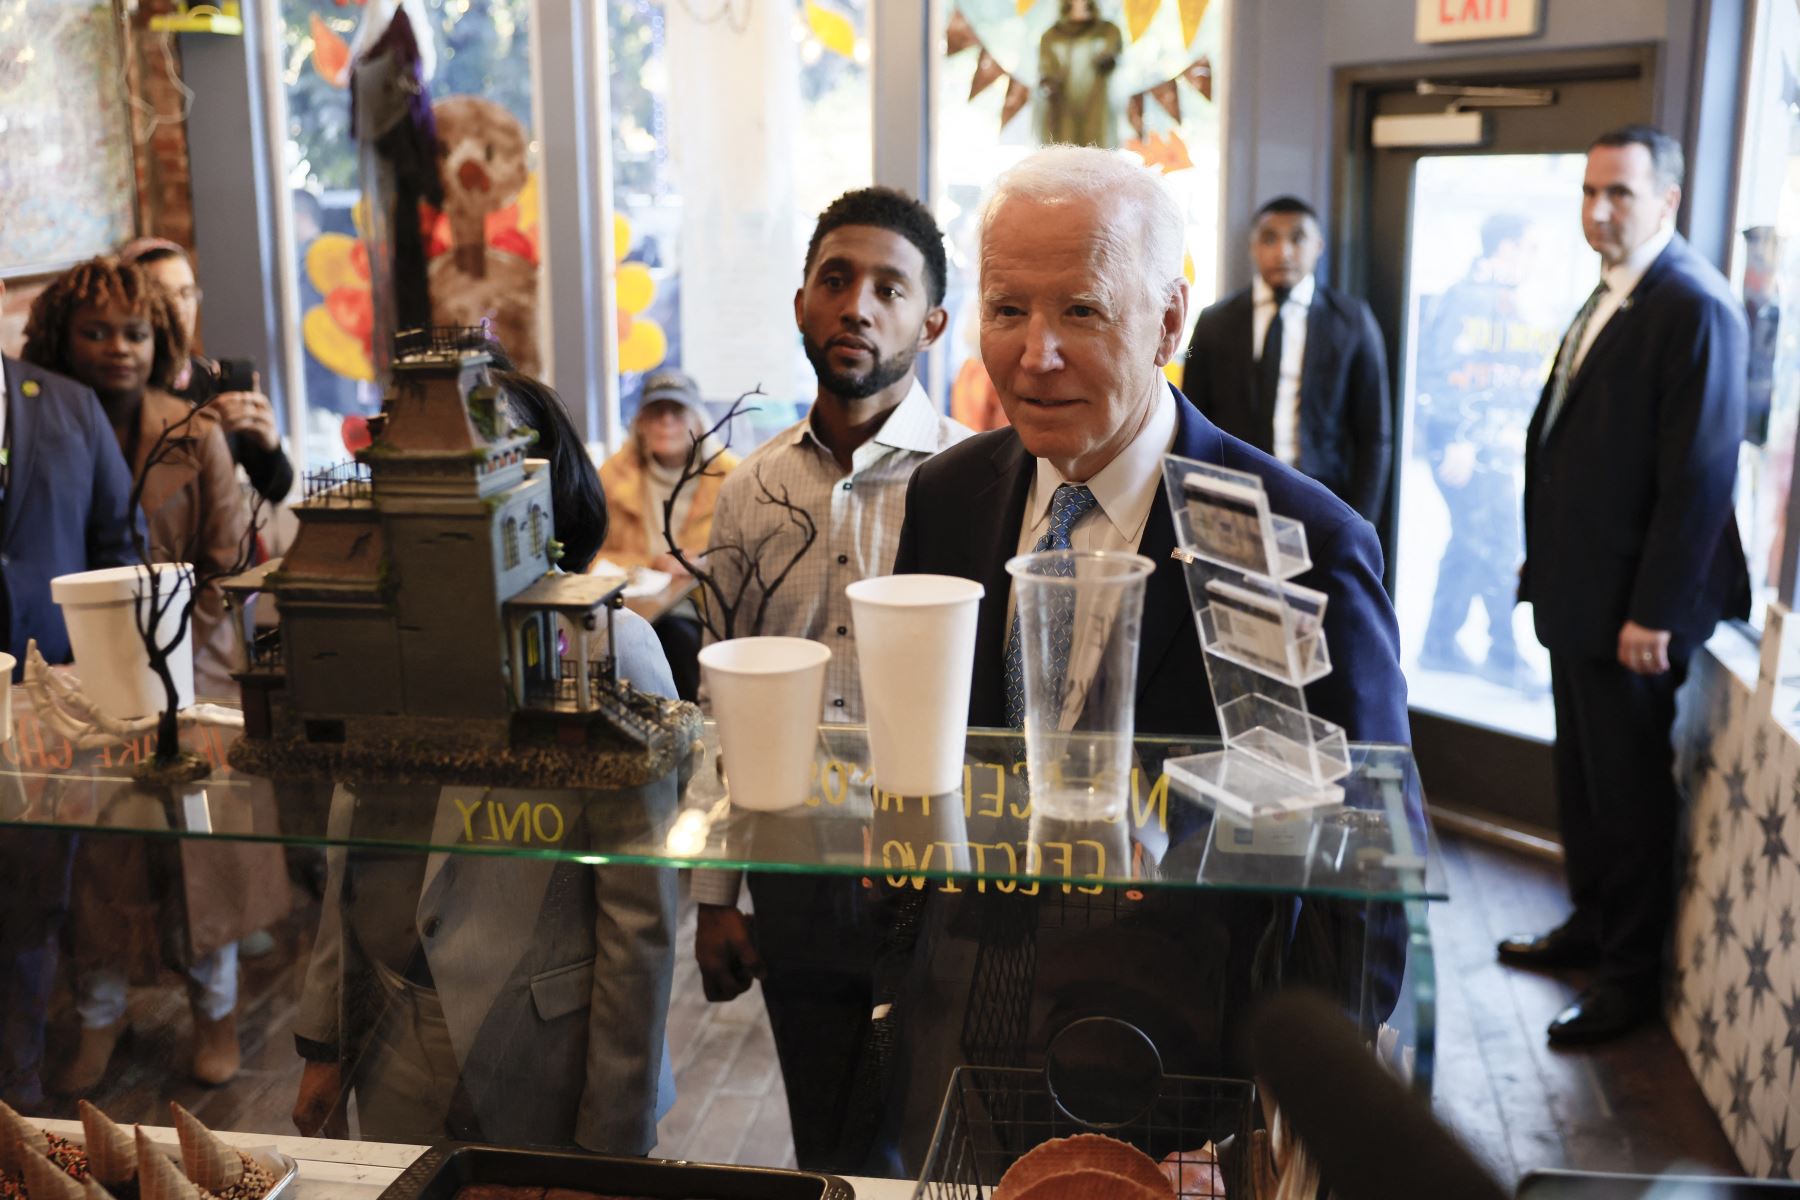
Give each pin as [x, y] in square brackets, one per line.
[1458, 12]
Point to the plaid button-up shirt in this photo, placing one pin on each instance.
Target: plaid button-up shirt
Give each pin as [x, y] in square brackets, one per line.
[858, 517]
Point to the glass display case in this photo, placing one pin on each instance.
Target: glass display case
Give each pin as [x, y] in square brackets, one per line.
[554, 914]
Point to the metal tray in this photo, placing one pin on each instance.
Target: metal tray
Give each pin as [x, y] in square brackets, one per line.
[280, 1167]
[444, 1169]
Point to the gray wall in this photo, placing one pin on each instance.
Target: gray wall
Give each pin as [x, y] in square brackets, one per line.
[1284, 53]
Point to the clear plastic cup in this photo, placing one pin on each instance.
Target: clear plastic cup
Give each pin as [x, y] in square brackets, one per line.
[1080, 614]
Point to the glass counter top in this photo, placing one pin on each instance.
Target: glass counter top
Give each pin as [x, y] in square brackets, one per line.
[1377, 846]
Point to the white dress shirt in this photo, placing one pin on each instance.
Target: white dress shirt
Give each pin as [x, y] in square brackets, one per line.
[1293, 354]
[1126, 487]
[1621, 281]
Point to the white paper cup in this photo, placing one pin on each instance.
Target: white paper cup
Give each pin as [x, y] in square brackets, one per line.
[99, 607]
[767, 694]
[915, 649]
[7, 663]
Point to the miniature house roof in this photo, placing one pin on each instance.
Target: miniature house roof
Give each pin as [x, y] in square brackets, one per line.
[439, 403]
[570, 595]
[248, 583]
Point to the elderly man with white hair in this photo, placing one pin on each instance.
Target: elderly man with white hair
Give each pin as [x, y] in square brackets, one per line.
[1082, 306]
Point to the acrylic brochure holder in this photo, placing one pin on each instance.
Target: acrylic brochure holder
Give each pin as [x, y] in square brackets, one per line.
[1264, 641]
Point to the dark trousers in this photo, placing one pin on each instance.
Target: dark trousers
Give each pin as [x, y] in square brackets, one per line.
[35, 867]
[1481, 562]
[680, 637]
[1618, 806]
[816, 936]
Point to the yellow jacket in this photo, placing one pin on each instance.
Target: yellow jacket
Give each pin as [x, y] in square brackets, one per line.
[622, 479]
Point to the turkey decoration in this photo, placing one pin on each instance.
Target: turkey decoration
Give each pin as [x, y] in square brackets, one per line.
[484, 245]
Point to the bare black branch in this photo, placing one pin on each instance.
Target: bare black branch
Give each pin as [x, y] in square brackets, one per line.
[164, 592]
[731, 575]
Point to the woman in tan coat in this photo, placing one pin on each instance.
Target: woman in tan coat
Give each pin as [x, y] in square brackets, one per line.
[637, 482]
[107, 325]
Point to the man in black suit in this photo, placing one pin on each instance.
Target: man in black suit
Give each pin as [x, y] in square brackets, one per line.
[1082, 303]
[1631, 556]
[1310, 388]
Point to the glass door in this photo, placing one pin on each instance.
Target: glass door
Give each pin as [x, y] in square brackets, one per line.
[1474, 262]
[1495, 271]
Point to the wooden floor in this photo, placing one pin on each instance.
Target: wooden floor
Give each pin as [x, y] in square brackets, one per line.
[1517, 1103]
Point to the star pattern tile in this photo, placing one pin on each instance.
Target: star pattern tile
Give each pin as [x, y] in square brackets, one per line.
[1774, 845]
[1781, 1155]
[1742, 1087]
[1737, 798]
[1757, 981]
[1737, 867]
[1706, 1042]
[1723, 929]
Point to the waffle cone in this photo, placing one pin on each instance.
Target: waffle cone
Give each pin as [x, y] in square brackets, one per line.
[1083, 1152]
[210, 1163]
[14, 1129]
[112, 1155]
[158, 1178]
[44, 1180]
[93, 1191]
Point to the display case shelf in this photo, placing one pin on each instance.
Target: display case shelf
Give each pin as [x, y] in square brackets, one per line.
[845, 824]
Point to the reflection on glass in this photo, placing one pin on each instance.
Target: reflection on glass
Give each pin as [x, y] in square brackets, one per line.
[734, 124]
[973, 146]
[484, 247]
[1767, 276]
[1498, 265]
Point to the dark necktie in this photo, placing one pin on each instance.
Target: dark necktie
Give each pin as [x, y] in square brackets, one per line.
[1268, 376]
[1565, 359]
[1070, 503]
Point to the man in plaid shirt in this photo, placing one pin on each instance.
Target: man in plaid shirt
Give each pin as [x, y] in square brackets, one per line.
[870, 302]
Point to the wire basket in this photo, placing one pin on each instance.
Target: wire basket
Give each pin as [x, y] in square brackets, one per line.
[993, 1115]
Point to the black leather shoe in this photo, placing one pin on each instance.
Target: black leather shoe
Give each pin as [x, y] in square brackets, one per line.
[1602, 1013]
[1561, 947]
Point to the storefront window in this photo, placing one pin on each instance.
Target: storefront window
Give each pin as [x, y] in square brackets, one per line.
[734, 124]
[1496, 269]
[484, 245]
[1041, 70]
[1766, 274]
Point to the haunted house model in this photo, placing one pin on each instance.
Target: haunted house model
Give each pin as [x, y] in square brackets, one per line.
[425, 634]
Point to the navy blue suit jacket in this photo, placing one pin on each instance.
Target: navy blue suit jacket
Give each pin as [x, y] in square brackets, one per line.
[1628, 511]
[964, 510]
[1346, 428]
[67, 506]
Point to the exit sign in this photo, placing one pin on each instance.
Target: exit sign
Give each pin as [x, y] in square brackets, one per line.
[1469, 20]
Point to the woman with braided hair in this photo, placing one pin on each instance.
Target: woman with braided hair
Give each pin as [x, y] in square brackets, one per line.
[109, 326]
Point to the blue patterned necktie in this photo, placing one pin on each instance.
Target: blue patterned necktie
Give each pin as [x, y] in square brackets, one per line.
[1069, 505]
[1565, 361]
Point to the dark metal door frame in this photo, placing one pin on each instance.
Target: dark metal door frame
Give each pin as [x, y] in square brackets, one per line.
[1500, 776]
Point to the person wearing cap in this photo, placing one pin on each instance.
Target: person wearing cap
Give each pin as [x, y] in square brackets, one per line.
[638, 481]
[247, 417]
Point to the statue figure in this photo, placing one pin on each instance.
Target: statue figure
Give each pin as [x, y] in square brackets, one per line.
[1076, 57]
